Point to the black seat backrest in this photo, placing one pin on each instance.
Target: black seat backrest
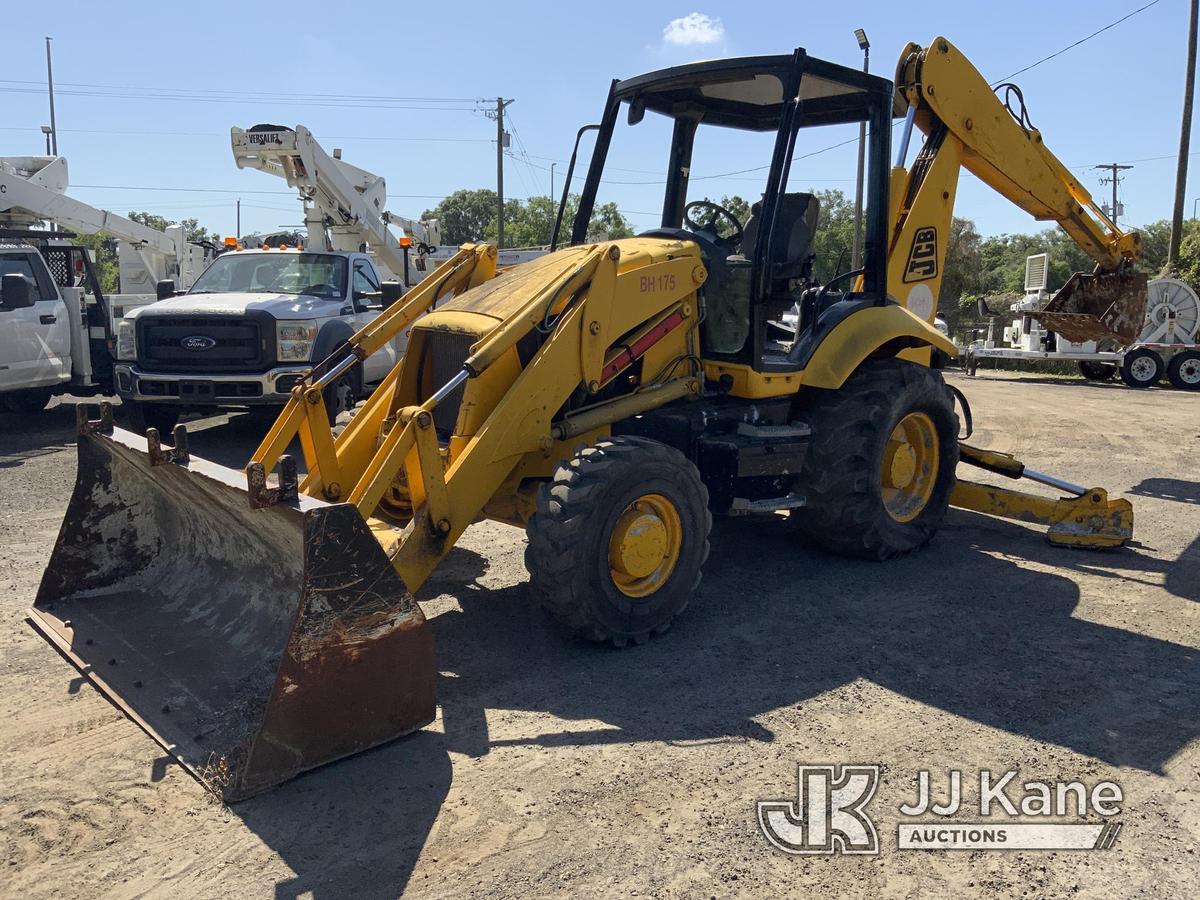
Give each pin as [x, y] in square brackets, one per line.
[795, 225]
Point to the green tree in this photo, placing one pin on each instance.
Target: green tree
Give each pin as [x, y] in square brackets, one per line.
[834, 239]
[471, 216]
[193, 231]
[465, 215]
[104, 259]
[962, 273]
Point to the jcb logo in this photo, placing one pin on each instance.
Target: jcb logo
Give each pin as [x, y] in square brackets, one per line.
[922, 258]
[827, 816]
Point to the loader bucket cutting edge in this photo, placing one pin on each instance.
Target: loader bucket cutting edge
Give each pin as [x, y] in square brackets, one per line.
[1098, 307]
[251, 644]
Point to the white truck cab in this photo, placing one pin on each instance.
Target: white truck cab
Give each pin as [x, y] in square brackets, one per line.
[245, 333]
[55, 326]
[35, 334]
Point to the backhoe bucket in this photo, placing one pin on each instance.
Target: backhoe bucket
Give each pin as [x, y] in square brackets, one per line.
[252, 644]
[1103, 306]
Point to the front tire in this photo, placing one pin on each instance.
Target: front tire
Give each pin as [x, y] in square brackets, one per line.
[618, 540]
[881, 463]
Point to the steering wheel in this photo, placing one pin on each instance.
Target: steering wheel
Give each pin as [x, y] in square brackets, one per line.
[317, 290]
[709, 227]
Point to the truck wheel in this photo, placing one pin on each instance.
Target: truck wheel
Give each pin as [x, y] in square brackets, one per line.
[1141, 368]
[880, 467]
[152, 415]
[27, 401]
[1097, 371]
[340, 397]
[1184, 370]
[618, 540]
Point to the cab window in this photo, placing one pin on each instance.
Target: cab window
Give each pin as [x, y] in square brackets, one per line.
[40, 285]
[365, 282]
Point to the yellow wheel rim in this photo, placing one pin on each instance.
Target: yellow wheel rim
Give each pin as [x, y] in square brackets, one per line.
[644, 545]
[910, 466]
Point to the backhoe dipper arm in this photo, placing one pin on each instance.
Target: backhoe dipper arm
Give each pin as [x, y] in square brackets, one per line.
[1001, 147]
[968, 125]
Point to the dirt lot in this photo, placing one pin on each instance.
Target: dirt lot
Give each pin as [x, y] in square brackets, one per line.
[559, 769]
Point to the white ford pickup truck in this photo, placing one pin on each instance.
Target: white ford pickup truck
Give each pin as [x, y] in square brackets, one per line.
[250, 327]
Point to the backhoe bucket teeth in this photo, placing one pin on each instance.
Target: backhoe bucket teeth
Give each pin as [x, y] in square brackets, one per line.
[1103, 306]
[252, 644]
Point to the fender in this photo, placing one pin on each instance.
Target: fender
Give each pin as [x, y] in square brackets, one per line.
[334, 333]
[868, 331]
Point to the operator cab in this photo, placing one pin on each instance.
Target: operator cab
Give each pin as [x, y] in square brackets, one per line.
[765, 263]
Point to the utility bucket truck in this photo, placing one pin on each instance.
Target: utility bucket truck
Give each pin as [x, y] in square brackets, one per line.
[610, 398]
[253, 324]
[63, 340]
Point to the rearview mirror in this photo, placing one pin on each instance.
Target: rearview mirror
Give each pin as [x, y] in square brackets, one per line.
[15, 292]
[637, 111]
[165, 289]
[390, 292]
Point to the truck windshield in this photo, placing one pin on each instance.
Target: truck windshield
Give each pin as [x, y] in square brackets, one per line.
[311, 274]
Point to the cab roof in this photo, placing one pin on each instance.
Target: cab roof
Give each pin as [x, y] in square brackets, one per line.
[748, 92]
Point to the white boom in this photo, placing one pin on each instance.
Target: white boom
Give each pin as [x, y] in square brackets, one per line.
[343, 204]
[33, 191]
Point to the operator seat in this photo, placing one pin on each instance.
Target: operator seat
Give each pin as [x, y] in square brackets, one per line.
[795, 224]
[728, 298]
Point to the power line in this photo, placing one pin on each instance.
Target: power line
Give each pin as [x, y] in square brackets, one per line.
[257, 101]
[192, 92]
[1077, 43]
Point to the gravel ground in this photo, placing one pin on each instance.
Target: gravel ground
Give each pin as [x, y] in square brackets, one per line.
[560, 769]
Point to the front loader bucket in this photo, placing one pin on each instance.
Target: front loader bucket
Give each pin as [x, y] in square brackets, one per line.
[1103, 306]
[252, 644]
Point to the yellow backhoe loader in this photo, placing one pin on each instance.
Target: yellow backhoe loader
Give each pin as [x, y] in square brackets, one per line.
[610, 398]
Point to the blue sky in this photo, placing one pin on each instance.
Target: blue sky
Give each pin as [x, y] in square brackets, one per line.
[184, 77]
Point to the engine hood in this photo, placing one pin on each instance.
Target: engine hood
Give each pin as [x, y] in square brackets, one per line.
[280, 306]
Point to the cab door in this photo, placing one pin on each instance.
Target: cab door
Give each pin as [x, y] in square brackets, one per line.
[364, 292]
[35, 342]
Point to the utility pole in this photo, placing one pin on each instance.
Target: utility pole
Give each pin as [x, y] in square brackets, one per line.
[239, 220]
[856, 253]
[1185, 133]
[50, 86]
[498, 115]
[1114, 179]
[552, 165]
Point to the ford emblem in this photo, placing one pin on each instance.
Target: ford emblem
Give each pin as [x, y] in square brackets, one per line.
[197, 342]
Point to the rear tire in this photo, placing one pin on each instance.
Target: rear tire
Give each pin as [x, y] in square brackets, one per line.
[152, 415]
[1097, 371]
[1184, 370]
[618, 540]
[852, 509]
[1141, 368]
[32, 400]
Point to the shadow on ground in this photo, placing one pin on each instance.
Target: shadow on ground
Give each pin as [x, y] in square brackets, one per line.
[967, 626]
[958, 627]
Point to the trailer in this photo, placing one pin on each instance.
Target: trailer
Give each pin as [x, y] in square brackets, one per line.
[1168, 345]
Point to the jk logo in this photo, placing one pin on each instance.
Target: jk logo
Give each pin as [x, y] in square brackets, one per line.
[828, 816]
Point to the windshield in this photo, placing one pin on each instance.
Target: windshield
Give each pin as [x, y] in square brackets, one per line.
[311, 274]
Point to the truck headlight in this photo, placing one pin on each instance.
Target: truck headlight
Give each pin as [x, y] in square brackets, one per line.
[295, 339]
[126, 341]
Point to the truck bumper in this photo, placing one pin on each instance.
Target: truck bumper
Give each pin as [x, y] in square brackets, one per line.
[271, 388]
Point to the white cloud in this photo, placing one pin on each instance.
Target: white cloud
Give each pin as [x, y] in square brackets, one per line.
[694, 28]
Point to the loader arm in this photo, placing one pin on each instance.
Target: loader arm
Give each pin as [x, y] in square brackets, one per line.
[967, 125]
